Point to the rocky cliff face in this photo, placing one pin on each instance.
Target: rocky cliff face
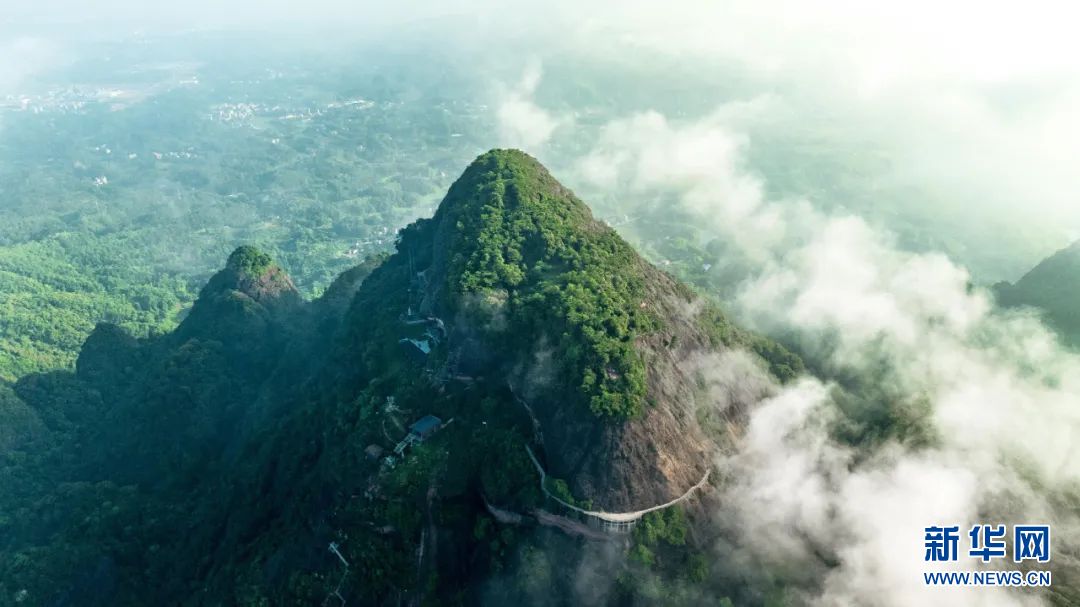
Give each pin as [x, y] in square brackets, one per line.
[536, 292]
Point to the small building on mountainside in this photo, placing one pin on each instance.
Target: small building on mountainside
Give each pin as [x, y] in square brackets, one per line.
[424, 428]
[420, 431]
[416, 349]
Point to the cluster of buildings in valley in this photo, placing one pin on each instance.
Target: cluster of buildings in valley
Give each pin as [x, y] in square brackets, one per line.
[104, 149]
[244, 113]
[71, 100]
[76, 99]
[382, 236]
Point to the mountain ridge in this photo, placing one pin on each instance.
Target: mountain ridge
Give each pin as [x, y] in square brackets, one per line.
[1052, 287]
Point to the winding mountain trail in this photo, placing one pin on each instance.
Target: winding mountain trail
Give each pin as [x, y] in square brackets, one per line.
[614, 517]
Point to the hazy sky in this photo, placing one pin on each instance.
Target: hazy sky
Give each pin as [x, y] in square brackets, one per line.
[975, 105]
[974, 102]
[886, 42]
[163, 16]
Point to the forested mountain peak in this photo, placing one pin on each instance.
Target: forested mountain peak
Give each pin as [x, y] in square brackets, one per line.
[528, 287]
[510, 243]
[512, 179]
[253, 273]
[246, 306]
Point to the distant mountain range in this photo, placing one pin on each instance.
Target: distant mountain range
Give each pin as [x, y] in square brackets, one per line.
[1053, 289]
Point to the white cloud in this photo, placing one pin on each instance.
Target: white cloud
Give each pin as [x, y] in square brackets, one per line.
[23, 56]
[1003, 395]
[967, 109]
[522, 123]
[703, 162]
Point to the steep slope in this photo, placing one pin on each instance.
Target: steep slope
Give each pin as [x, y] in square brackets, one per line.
[534, 289]
[213, 465]
[242, 302]
[1053, 288]
[123, 497]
